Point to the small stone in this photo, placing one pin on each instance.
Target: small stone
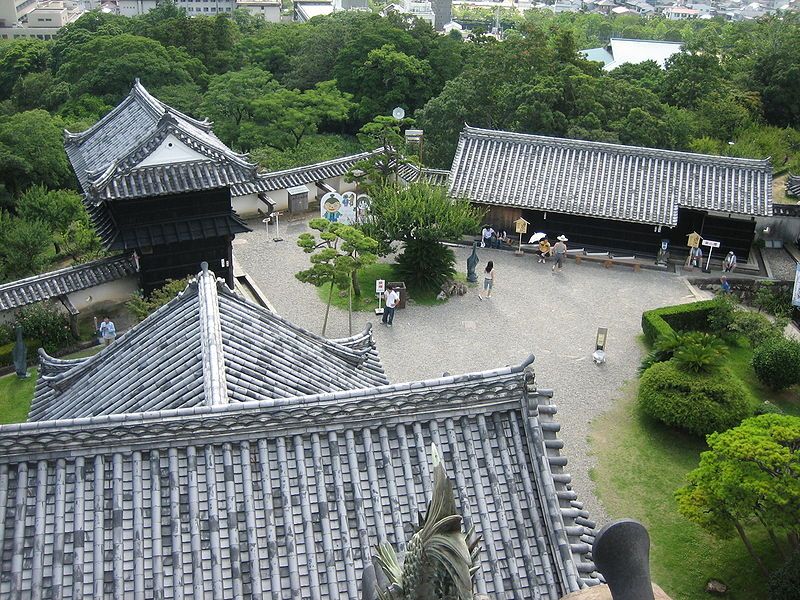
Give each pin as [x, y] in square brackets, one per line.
[716, 587]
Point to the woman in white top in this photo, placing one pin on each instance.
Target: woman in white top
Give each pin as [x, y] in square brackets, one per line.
[488, 280]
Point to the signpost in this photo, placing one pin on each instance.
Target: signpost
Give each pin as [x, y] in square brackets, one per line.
[521, 227]
[711, 245]
[380, 288]
[796, 292]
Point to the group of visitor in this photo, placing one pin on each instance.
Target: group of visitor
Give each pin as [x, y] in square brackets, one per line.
[493, 239]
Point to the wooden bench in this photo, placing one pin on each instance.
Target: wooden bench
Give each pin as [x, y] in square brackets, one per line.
[608, 262]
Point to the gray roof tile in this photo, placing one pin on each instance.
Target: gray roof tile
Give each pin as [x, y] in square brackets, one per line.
[604, 180]
[106, 156]
[288, 497]
[65, 281]
[166, 361]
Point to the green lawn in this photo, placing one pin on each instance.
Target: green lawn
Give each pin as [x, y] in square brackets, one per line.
[368, 302]
[640, 464]
[16, 394]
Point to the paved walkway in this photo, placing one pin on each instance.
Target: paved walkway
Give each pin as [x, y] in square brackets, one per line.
[555, 317]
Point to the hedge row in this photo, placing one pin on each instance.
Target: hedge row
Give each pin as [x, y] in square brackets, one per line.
[683, 317]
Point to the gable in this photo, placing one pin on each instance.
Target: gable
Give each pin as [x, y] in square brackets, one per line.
[171, 150]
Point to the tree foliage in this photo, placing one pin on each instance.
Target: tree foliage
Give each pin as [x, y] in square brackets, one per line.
[141, 306]
[420, 216]
[336, 258]
[749, 477]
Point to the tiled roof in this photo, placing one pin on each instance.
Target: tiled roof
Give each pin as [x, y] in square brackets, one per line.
[288, 497]
[207, 346]
[793, 185]
[281, 180]
[106, 156]
[604, 180]
[64, 281]
[411, 173]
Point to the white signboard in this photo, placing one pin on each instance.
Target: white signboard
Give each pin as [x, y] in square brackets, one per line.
[338, 208]
[711, 243]
[796, 292]
[380, 286]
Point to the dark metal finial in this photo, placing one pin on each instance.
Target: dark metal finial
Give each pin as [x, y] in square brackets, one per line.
[621, 551]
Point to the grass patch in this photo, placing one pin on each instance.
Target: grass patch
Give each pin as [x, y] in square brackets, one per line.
[16, 394]
[640, 465]
[366, 279]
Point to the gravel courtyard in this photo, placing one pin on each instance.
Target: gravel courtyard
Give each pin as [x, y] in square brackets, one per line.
[554, 317]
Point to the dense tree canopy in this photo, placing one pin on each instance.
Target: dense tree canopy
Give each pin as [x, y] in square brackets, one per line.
[295, 92]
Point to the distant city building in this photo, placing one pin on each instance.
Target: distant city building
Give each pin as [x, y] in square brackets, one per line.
[443, 11]
[31, 19]
[308, 9]
[420, 9]
[620, 51]
[679, 13]
[268, 9]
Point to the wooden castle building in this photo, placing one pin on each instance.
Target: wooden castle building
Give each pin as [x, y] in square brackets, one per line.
[609, 196]
[158, 183]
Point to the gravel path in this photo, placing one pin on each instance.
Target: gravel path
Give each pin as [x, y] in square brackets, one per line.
[555, 317]
[781, 262]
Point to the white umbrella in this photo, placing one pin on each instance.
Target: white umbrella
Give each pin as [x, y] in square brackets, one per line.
[536, 237]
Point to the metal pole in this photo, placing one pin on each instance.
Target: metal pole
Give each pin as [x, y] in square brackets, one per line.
[708, 263]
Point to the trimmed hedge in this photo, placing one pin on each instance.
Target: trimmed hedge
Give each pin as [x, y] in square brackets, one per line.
[699, 403]
[777, 362]
[683, 317]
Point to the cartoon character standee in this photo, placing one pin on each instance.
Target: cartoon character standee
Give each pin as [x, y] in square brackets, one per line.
[332, 206]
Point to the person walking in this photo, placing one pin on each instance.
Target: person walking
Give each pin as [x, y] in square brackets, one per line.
[544, 250]
[729, 264]
[392, 297]
[488, 280]
[107, 331]
[560, 250]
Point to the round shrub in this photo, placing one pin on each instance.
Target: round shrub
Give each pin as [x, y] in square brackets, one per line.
[47, 324]
[784, 583]
[777, 362]
[699, 403]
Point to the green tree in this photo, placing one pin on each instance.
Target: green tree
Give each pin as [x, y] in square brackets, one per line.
[19, 58]
[80, 242]
[389, 78]
[26, 247]
[691, 76]
[282, 118]
[776, 69]
[749, 476]
[32, 151]
[421, 217]
[382, 133]
[106, 66]
[230, 97]
[55, 208]
[336, 259]
[39, 90]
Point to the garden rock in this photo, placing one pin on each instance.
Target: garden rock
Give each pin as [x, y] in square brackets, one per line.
[452, 288]
[716, 587]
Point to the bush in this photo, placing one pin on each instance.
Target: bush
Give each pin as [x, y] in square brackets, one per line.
[721, 316]
[7, 352]
[46, 324]
[777, 363]
[699, 352]
[776, 300]
[755, 327]
[142, 306]
[425, 264]
[784, 582]
[699, 403]
[682, 317]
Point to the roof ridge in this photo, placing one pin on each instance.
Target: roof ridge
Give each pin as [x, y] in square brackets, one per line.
[70, 269]
[284, 404]
[324, 163]
[477, 132]
[63, 379]
[211, 347]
